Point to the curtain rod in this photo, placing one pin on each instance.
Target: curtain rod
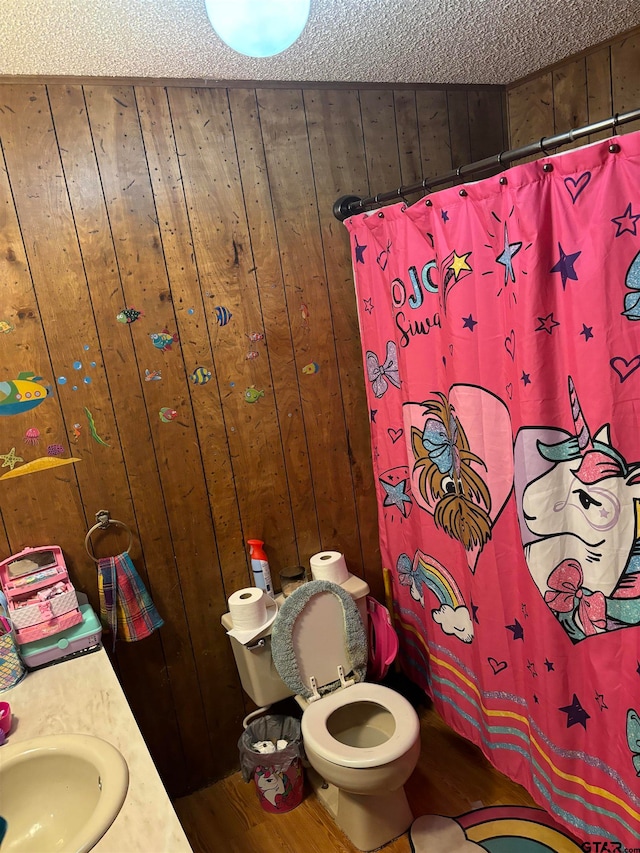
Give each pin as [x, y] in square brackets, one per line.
[347, 205]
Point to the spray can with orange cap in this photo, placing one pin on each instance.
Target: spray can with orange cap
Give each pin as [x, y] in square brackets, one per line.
[260, 566]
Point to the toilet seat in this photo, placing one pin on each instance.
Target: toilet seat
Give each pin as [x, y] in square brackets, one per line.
[316, 735]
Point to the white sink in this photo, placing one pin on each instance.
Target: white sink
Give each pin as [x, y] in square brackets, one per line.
[60, 792]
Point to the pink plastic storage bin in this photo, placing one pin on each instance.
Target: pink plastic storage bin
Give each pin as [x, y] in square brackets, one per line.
[40, 598]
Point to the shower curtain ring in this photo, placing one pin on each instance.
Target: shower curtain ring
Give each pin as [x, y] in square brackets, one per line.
[615, 124]
[542, 148]
[401, 195]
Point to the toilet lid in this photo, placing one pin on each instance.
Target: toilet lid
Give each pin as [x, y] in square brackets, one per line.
[317, 736]
[318, 629]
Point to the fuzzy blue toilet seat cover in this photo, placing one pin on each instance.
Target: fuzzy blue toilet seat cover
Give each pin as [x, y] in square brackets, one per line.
[282, 650]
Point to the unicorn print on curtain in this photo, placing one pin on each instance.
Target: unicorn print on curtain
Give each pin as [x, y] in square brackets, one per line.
[501, 348]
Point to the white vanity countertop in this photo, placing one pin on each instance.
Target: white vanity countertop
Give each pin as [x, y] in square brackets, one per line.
[84, 696]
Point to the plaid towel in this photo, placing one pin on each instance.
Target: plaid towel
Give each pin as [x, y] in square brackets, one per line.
[125, 604]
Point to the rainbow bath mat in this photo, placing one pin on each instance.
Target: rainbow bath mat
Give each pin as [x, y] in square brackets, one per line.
[496, 829]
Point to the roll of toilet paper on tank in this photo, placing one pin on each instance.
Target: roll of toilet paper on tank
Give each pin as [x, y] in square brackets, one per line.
[248, 609]
[329, 566]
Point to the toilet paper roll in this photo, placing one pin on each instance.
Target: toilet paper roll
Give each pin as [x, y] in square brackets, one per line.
[329, 566]
[251, 612]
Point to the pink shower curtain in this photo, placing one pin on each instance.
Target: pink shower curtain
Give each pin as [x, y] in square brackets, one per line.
[501, 346]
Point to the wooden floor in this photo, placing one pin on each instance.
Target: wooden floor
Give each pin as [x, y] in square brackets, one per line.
[451, 778]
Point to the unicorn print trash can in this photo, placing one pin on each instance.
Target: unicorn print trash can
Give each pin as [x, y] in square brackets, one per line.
[270, 755]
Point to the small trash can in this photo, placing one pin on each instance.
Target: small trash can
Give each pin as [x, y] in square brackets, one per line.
[270, 754]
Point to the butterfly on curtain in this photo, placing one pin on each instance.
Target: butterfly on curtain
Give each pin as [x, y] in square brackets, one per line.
[633, 737]
[413, 576]
[379, 373]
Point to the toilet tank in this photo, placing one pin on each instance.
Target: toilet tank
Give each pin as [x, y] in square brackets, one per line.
[358, 590]
[258, 675]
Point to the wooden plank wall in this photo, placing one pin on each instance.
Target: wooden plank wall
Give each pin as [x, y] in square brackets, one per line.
[209, 210]
[584, 89]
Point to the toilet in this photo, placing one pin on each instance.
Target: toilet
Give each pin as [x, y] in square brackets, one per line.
[361, 739]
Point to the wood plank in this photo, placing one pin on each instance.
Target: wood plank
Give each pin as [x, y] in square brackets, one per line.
[380, 141]
[141, 671]
[337, 153]
[530, 112]
[625, 74]
[191, 316]
[42, 198]
[299, 537]
[27, 520]
[599, 104]
[486, 124]
[570, 107]
[124, 173]
[408, 137]
[83, 181]
[435, 139]
[40, 193]
[48, 336]
[228, 272]
[459, 131]
[286, 144]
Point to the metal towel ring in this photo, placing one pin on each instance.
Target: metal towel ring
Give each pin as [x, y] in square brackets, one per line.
[103, 522]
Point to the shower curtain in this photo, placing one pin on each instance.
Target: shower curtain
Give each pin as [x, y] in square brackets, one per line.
[501, 346]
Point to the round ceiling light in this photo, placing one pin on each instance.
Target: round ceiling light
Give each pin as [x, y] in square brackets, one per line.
[258, 27]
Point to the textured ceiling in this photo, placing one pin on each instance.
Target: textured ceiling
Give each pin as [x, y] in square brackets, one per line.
[395, 41]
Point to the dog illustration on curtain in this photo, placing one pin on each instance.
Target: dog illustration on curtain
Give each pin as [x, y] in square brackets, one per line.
[461, 476]
[577, 499]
